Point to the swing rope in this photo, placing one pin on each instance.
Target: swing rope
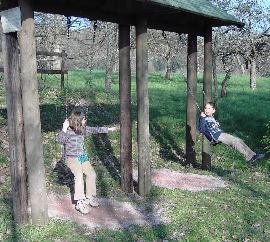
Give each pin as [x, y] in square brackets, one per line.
[194, 97]
[69, 24]
[64, 97]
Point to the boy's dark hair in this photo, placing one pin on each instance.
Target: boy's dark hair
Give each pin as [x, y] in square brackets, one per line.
[212, 104]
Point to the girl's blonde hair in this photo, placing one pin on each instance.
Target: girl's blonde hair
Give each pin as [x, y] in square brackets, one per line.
[75, 121]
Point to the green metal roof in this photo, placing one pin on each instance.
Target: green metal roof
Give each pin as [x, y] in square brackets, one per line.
[200, 7]
[180, 16]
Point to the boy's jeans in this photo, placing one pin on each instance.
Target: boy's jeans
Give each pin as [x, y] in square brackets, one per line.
[237, 144]
[78, 170]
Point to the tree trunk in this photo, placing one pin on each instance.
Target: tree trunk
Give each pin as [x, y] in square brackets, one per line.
[31, 117]
[168, 69]
[125, 108]
[63, 55]
[207, 88]
[241, 65]
[109, 71]
[10, 48]
[253, 74]
[108, 79]
[191, 100]
[144, 169]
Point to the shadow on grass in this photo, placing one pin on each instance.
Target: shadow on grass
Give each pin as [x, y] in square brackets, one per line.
[231, 175]
[3, 113]
[64, 176]
[52, 116]
[105, 154]
[221, 172]
[254, 192]
[169, 149]
[136, 233]
[246, 123]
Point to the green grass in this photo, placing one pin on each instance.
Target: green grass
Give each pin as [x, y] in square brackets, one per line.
[239, 212]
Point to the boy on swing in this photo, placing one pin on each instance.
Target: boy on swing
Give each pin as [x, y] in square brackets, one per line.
[210, 128]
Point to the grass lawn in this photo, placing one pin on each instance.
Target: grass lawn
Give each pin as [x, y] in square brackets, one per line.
[239, 212]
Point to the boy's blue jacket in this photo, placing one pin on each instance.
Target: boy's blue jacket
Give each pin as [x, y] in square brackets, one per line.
[210, 128]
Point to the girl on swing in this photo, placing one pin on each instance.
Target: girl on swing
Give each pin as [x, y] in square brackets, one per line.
[72, 136]
[210, 128]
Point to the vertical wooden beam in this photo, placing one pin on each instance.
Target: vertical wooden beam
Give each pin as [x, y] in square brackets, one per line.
[31, 114]
[125, 107]
[63, 56]
[144, 172]
[207, 88]
[191, 99]
[10, 47]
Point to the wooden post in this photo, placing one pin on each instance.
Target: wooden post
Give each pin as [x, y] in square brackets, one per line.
[207, 86]
[31, 114]
[63, 55]
[125, 106]
[10, 48]
[191, 99]
[144, 172]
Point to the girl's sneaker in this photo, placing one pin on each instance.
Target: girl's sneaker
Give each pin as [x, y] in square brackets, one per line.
[82, 206]
[92, 201]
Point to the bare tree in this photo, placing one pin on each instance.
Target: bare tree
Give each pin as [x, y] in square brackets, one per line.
[111, 53]
[252, 41]
[165, 45]
[49, 30]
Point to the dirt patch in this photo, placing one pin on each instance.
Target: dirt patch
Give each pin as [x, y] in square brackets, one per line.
[115, 215]
[185, 181]
[110, 214]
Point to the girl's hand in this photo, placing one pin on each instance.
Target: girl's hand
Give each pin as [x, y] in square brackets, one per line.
[65, 125]
[203, 114]
[112, 129]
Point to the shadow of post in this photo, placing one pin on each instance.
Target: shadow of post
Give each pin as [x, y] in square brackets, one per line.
[190, 146]
[106, 156]
[169, 149]
[65, 176]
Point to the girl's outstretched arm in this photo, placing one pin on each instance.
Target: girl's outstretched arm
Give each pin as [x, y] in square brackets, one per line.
[95, 130]
[100, 130]
[114, 129]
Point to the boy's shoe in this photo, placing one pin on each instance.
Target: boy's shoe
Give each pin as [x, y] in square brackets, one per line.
[256, 157]
[82, 206]
[92, 201]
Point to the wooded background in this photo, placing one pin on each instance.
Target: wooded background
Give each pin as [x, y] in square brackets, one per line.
[94, 44]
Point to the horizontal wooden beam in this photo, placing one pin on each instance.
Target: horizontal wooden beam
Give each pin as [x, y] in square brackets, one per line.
[52, 53]
[43, 71]
[49, 53]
